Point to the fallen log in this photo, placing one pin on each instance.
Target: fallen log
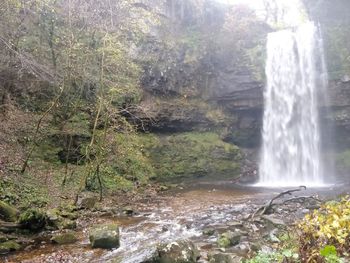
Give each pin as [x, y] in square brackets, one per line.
[301, 199]
[265, 209]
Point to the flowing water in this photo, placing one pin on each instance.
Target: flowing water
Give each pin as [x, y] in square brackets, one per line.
[180, 215]
[295, 72]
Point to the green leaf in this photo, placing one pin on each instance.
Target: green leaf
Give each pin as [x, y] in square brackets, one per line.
[328, 251]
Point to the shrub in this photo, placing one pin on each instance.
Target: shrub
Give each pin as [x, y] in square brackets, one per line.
[325, 233]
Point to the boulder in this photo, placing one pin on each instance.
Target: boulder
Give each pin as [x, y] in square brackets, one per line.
[8, 247]
[66, 223]
[129, 211]
[33, 219]
[273, 220]
[87, 202]
[105, 236]
[65, 238]
[221, 258]
[229, 238]
[57, 219]
[208, 231]
[182, 251]
[7, 212]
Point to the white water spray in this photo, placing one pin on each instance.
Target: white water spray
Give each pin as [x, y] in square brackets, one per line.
[295, 72]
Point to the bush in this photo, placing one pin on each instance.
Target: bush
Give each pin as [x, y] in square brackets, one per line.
[325, 233]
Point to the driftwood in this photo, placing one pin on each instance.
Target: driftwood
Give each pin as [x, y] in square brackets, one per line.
[263, 210]
[301, 199]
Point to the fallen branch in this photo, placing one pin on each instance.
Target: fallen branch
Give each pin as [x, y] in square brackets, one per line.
[301, 198]
[266, 208]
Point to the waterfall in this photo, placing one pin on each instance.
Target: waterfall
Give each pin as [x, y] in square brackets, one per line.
[295, 72]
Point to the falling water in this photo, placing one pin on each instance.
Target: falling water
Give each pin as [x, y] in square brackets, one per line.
[291, 131]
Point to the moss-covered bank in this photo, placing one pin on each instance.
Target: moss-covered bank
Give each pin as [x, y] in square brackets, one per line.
[192, 154]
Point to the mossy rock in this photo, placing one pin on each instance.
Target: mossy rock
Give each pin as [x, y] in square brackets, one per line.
[229, 239]
[208, 231]
[182, 251]
[33, 219]
[3, 238]
[87, 200]
[61, 219]
[193, 154]
[9, 246]
[65, 238]
[66, 223]
[105, 236]
[8, 213]
[220, 258]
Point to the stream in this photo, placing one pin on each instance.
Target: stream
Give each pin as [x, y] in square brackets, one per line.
[182, 214]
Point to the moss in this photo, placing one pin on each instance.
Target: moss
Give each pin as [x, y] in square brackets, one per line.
[24, 191]
[224, 242]
[9, 246]
[47, 151]
[7, 212]
[65, 238]
[193, 154]
[105, 236]
[33, 219]
[228, 239]
[127, 165]
[79, 124]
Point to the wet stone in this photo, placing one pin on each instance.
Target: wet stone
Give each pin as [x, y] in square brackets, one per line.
[105, 236]
[235, 224]
[273, 220]
[209, 231]
[65, 238]
[182, 251]
[229, 238]
[129, 211]
[220, 258]
[255, 246]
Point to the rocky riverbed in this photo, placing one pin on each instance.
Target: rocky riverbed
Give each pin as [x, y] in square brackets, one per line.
[220, 222]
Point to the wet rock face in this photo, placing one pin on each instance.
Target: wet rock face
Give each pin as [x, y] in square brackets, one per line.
[338, 114]
[193, 155]
[105, 236]
[197, 66]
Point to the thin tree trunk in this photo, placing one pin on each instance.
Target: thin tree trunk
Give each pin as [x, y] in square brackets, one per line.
[36, 133]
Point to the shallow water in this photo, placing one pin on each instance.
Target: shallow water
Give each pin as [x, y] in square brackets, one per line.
[178, 215]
